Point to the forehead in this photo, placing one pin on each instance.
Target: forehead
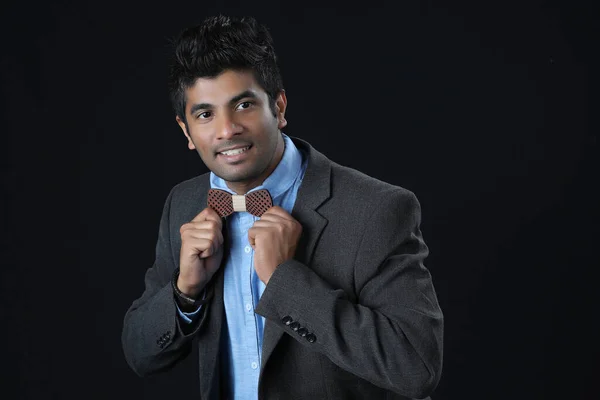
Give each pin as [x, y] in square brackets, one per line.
[219, 90]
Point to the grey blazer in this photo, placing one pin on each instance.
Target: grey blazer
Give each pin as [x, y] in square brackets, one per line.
[373, 328]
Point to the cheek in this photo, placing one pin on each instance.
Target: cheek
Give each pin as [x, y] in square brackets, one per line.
[201, 147]
[205, 152]
[266, 125]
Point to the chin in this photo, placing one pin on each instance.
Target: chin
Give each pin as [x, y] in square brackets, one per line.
[236, 177]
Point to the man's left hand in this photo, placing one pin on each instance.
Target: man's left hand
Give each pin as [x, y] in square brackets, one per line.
[274, 238]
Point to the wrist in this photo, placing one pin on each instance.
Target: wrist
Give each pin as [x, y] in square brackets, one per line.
[187, 300]
[189, 290]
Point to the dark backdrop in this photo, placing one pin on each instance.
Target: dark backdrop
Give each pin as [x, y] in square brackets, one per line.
[486, 111]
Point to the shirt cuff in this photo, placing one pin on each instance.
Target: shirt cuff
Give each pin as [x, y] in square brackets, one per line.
[190, 316]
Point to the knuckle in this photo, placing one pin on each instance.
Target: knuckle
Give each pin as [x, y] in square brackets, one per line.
[203, 245]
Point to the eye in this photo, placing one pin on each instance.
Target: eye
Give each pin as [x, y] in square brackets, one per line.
[244, 105]
[203, 115]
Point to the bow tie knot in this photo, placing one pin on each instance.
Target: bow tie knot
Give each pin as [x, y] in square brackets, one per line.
[224, 203]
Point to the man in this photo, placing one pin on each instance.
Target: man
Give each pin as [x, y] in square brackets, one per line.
[312, 285]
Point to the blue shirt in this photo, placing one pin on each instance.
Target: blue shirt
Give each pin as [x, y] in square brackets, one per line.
[242, 287]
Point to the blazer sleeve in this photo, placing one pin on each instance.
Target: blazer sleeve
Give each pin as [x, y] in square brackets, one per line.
[154, 337]
[392, 335]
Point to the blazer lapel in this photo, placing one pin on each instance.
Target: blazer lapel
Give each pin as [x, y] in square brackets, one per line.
[313, 191]
[209, 359]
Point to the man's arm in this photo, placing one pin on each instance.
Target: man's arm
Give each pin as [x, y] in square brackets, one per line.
[154, 336]
[393, 335]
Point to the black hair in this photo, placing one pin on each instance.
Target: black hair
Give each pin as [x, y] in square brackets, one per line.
[220, 43]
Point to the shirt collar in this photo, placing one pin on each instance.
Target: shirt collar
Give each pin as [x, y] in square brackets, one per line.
[280, 180]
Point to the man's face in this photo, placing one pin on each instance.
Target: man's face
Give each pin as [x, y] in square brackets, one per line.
[231, 111]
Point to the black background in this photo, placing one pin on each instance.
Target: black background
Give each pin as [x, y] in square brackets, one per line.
[485, 110]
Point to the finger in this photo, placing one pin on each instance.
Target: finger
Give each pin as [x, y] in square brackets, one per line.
[215, 236]
[211, 251]
[212, 215]
[207, 225]
[273, 218]
[276, 210]
[272, 221]
[256, 231]
[209, 246]
[208, 214]
[252, 232]
[203, 247]
[201, 215]
[275, 222]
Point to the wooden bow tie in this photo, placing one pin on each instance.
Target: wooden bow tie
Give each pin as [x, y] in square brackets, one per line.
[224, 203]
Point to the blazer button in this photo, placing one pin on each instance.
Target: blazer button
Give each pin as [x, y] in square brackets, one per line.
[311, 338]
[303, 332]
[287, 320]
[295, 326]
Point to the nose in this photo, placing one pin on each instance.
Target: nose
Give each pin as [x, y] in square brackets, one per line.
[227, 127]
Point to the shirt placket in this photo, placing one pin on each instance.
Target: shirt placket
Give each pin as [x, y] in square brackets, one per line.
[251, 339]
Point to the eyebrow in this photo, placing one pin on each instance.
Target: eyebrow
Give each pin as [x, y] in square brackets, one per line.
[233, 100]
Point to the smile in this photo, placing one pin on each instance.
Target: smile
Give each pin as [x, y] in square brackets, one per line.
[235, 151]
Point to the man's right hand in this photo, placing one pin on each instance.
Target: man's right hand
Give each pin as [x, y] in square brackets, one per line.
[201, 252]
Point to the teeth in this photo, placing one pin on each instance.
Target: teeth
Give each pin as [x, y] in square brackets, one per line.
[235, 151]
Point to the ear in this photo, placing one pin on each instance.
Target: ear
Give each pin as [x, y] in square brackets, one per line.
[185, 132]
[280, 107]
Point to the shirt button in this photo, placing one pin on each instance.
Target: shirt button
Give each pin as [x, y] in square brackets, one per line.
[254, 365]
[247, 249]
[248, 306]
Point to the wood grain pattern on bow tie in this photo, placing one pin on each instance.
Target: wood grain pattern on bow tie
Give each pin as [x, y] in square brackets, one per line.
[257, 202]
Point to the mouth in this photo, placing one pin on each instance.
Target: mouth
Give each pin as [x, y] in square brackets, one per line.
[235, 154]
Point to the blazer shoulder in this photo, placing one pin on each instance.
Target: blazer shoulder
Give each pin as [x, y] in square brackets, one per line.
[370, 199]
[351, 183]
